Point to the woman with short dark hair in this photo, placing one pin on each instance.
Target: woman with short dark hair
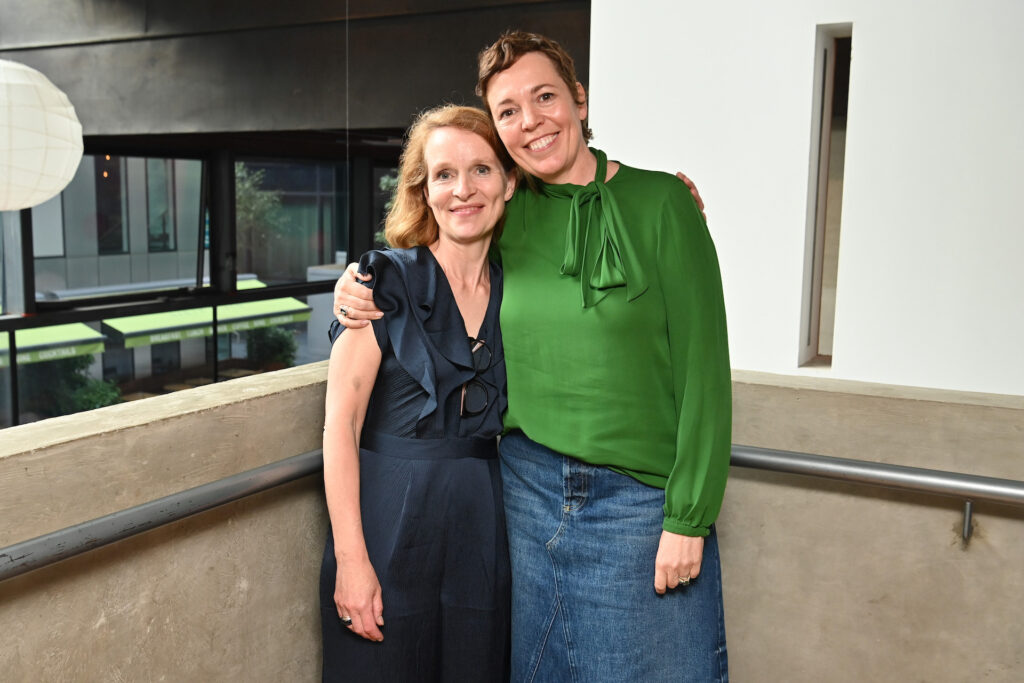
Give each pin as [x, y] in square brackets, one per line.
[617, 434]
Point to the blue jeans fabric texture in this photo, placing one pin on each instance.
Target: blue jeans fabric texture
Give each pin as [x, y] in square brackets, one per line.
[582, 542]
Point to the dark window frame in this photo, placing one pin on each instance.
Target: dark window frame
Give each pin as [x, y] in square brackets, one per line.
[359, 152]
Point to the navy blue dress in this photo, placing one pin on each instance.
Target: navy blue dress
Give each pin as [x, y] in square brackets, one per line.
[430, 487]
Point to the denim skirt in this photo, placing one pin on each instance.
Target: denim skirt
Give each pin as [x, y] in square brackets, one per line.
[582, 542]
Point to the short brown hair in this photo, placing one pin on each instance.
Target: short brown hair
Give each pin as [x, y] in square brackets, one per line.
[512, 45]
[410, 222]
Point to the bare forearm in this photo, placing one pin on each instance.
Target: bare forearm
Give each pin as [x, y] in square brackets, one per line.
[341, 485]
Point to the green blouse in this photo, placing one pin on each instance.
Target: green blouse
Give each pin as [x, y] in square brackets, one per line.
[614, 331]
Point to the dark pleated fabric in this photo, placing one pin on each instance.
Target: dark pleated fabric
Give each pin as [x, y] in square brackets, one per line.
[430, 490]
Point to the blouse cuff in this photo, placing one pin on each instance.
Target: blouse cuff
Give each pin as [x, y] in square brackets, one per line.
[678, 527]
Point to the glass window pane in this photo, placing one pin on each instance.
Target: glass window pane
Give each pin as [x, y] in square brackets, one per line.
[48, 228]
[385, 180]
[64, 369]
[160, 208]
[59, 371]
[313, 344]
[286, 215]
[123, 225]
[111, 218]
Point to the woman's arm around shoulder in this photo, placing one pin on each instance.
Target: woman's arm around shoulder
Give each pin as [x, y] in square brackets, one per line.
[692, 186]
[353, 301]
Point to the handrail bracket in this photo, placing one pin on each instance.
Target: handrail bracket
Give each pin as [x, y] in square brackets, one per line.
[968, 526]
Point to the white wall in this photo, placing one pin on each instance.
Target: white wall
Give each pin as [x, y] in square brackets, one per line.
[931, 260]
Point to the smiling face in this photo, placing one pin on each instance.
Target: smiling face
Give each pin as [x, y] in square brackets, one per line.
[540, 121]
[466, 187]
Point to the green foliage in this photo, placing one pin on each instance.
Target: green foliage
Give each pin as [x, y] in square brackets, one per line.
[388, 183]
[256, 209]
[262, 229]
[271, 346]
[62, 387]
[96, 393]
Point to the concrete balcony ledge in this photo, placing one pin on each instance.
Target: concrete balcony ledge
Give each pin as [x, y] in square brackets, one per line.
[66, 470]
[124, 416]
[875, 389]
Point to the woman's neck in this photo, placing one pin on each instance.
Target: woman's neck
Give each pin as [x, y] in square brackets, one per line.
[464, 265]
[584, 170]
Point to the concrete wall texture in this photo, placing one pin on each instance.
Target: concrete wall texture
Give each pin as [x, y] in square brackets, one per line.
[929, 292]
[828, 581]
[228, 595]
[823, 581]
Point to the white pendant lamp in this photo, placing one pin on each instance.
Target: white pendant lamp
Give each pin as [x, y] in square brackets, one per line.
[40, 138]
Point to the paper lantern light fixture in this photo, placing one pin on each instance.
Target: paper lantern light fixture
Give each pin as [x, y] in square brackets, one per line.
[40, 138]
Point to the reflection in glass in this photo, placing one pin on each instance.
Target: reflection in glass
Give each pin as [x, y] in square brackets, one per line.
[48, 228]
[385, 180]
[132, 224]
[69, 368]
[314, 344]
[160, 207]
[123, 225]
[286, 216]
[111, 211]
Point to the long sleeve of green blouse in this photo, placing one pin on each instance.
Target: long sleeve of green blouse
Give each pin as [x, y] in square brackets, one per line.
[615, 337]
[701, 377]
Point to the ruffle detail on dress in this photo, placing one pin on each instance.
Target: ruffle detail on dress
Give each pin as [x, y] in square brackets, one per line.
[405, 287]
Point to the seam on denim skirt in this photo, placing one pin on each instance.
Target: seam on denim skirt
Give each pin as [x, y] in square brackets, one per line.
[538, 654]
[566, 633]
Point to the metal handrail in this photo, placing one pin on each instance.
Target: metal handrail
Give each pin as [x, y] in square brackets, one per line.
[49, 548]
[938, 482]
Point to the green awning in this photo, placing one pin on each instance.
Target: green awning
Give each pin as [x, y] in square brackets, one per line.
[39, 344]
[158, 328]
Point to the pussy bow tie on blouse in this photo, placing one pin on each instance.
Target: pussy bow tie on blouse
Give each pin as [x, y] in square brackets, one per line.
[597, 241]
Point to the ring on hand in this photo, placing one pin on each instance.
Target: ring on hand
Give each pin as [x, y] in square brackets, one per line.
[342, 311]
[347, 621]
[683, 582]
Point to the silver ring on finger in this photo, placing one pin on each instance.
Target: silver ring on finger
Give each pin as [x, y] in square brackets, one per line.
[683, 582]
[342, 311]
[347, 621]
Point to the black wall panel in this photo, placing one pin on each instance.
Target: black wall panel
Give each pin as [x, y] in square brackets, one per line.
[199, 67]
